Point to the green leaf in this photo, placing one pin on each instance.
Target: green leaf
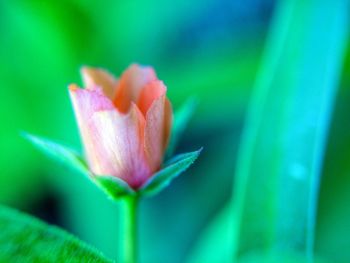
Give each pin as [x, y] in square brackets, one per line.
[59, 152]
[175, 167]
[278, 257]
[181, 118]
[216, 233]
[283, 143]
[113, 186]
[24, 238]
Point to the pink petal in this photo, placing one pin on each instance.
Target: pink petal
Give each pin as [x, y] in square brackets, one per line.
[119, 140]
[85, 103]
[94, 77]
[151, 92]
[157, 131]
[130, 85]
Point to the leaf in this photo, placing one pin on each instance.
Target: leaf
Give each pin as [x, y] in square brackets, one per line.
[114, 187]
[59, 152]
[24, 238]
[181, 118]
[217, 233]
[283, 143]
[220, 232]
[174, 168]
[278, 257]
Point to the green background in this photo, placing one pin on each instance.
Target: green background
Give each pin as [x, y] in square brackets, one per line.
[209, 49]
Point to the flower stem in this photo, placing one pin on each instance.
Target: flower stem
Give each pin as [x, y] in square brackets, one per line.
[128, 230]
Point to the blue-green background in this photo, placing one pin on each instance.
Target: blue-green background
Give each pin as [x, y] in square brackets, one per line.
[210, 49]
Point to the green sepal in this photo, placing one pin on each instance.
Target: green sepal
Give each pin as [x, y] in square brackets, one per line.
[181, 118]
[175, 167]
[56, 151]
[114, 187]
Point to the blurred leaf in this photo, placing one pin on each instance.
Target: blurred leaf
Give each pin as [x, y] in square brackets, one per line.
[333, 222]
[162, 179]
[217, 233]
[181, 118]
[26, 239]
[59, 152]
[280, 160]
[278, 257]
[113, 186]
[283, 143]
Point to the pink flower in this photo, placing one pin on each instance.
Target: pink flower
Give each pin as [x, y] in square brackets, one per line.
[124, 124]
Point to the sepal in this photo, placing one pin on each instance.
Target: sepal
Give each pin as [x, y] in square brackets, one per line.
[174, 168]
[181, 118]
[59, 152]
[113, 186]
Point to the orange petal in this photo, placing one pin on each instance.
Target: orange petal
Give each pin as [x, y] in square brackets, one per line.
[149, 94]
[130, 85]
[157, 131]
[119, 144]
[94, 77]
[168, 122]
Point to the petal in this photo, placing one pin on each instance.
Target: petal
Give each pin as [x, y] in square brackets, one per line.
[85, 103]
[168, 122]
[157, 131]
[130, 85]
[119, 143]
[94, 77]
[149, 94]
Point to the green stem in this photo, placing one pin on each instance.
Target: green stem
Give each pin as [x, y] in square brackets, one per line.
[128, 230]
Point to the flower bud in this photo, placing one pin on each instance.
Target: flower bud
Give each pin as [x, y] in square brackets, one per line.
[124, 124]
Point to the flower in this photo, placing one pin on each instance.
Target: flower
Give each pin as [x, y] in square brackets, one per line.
[124, 124]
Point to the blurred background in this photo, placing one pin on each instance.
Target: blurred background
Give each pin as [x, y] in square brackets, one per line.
[210, 49]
